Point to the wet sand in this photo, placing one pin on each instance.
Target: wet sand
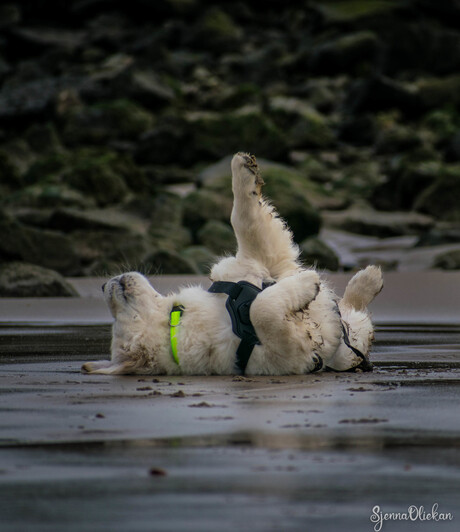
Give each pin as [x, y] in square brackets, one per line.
[313, 452]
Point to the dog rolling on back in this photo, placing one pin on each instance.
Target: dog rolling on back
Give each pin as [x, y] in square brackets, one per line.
[299, 324]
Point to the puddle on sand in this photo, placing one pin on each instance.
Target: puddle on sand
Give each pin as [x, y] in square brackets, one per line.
[49, 341]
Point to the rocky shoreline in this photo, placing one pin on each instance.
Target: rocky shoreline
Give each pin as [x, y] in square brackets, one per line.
[117, 122]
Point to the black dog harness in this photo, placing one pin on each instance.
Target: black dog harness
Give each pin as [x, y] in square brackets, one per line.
[240, 298]
[239, 301]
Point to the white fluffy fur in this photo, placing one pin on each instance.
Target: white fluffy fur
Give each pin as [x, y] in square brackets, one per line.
[295, 319]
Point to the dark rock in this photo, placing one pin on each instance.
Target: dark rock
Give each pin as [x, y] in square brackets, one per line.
[355, 52]
[102, 175]
[443, 125]
[349, 12]
[146, 87]
[360, 130]
[17, 158]
[9, 173]
[98, 249]
[215, 29]
[100, 123]
[440, 199]
[201, 257]
[39, 38]
[69, 220]
[43, 138]
[31, 100]
[218, 237]
[397, 138]
[49, 249]
[10, 15]
[366, 221]
[165, 261]
[167, 143]
[306, 127]
[449, 260]
[380, 93]
[49, 195]
[166, 229]
[203, 205]
[440, 235]
[414, 179]
[167, 175]
[248, 128]
[435, 92]
[453, 150]
[19, 279]
[314, 252]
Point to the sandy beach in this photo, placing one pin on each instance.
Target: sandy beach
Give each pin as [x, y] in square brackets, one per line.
[312, 452]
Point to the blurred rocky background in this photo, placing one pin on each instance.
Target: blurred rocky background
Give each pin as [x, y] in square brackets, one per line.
[118, 120]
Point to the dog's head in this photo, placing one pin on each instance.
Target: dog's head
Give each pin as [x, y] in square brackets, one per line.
[141, 324]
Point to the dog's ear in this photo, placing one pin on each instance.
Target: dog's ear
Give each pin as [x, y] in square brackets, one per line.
[107, 367]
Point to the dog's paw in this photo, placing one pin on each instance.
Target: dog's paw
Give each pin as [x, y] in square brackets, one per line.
[246, 174]
[96, 366]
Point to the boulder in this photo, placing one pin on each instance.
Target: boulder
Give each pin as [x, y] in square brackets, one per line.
[31, 100]
[203, 205]
[381, 93]
[166, 261]
[43, 138]
[218, 237]
[168, 143]
[449, 260]
[166, 229]
[201, 257]
[397, 138]
[316, 253]
[50, 249]
[366, 221]
[442, 123]
[440, 199]
[215, 29]
[350, 11]
[20, 279]
[354, 52]
[440, 235]
[215, 135]
[435, 92]
[16, 158]
[146, 87]
[70, 219]
[305, 126]
[49, 195]
[106, 121]
[359, 130]
[95, 249]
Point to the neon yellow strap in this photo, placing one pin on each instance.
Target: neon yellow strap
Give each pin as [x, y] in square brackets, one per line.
[174, 321]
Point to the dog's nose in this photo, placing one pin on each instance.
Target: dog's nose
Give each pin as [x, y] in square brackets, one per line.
[103, 286]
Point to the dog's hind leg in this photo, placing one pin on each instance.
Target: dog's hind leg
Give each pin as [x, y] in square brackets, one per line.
[280, 331]
[260, 233]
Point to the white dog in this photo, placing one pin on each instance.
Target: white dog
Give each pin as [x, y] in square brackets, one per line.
[297, 324]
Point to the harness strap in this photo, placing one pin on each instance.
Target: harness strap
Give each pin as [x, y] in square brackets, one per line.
[239, 301]
[365, 364]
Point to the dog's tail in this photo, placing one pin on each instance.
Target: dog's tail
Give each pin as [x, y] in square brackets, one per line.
[363, 288]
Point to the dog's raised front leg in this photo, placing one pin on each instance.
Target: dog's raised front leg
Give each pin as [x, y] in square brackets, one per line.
[260, 233]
